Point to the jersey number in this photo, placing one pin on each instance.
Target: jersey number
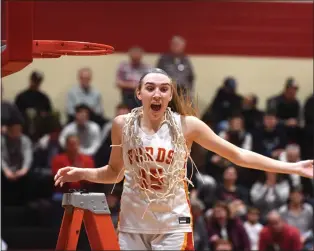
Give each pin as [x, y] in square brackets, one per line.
[154, 182]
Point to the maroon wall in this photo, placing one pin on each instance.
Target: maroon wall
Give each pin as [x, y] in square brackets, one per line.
[225, 28]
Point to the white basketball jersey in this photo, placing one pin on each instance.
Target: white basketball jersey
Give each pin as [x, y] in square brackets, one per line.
[138, 214]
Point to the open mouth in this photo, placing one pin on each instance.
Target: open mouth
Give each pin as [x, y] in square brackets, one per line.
[155, 107]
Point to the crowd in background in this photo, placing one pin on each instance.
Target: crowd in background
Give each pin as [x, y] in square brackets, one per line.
[233, 208]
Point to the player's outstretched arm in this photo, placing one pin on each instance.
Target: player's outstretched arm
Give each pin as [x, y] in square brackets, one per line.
[197, 131]
[111, 173]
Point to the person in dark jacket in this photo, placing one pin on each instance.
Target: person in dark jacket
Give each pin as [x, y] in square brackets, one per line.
[36, 108]
[226, 103]
[200, 233]
[222, 225]
[270, 140]
[253, 117]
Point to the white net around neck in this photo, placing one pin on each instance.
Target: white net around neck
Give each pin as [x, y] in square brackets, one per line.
[173, 175]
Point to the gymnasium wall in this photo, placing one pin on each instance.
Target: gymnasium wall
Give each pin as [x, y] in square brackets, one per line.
[260, 44]
[263, 76]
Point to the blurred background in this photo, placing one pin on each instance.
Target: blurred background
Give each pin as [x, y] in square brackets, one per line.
[249, 66]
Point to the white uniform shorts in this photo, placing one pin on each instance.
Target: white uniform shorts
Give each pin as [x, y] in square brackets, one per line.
[172, 241]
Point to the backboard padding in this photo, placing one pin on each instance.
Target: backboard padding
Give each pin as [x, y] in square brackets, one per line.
[18, 36]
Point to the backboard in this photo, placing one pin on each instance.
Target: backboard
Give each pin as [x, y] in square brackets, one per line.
[17, 35]
[18, 47]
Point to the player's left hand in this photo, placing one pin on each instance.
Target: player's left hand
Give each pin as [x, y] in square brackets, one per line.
[306, 168]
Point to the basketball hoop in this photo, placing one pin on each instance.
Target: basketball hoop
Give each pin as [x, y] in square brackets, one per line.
[57, 48]
[50, 49]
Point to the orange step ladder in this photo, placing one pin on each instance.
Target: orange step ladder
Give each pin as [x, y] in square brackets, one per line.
[93, 210]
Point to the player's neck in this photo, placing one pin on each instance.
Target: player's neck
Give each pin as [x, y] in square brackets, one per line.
[150, 125]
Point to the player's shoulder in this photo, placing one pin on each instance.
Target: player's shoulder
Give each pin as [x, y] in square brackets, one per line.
[189, 120]
[190, 125]
[119, 121]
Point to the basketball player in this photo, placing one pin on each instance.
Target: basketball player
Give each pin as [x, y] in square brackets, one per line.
[150, 149]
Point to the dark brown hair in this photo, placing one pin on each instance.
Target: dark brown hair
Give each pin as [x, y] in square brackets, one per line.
[223, 205]
[180, 103]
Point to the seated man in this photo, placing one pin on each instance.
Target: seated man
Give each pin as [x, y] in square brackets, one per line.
[271, 139]
[9, 111]
[253, 117]
[286, 105]
[16, 160]
[87, 131]
[299, 214]
[277, 235]
[85, 93]
[287, 108]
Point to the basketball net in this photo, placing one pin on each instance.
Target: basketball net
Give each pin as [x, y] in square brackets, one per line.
[173, 176]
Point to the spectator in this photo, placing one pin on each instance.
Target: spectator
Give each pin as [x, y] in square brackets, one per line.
[9, 111]
[287, 108]
[299, 214]
[269, 193]
[253, 227]
[16, 160]
[200, 234]
[229, 192]
[45, 149]
[286, 105]
[253, 117]
[292, 154]
[222, 225]
[278, 235]
[205, 189]
[308, 137]
[71, 157]
[178, 66]
[35, 106]
[236, 134]
[226, 103]
[104, 150]
[87, 131]
[128, 76]
[85, 93]
[308, 110]
[270, 140]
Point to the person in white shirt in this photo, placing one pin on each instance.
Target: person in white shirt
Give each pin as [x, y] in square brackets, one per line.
[84, 93]
[87, 131]
[253, 227]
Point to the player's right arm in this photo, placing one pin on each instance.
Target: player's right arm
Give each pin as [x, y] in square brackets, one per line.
[111, 173]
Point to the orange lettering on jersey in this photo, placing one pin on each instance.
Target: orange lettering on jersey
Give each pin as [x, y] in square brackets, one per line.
[139, 155]
[130, 155]
[155, 179]
[169, 157]
[144, 182]
[150, 153]
[161, 155]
